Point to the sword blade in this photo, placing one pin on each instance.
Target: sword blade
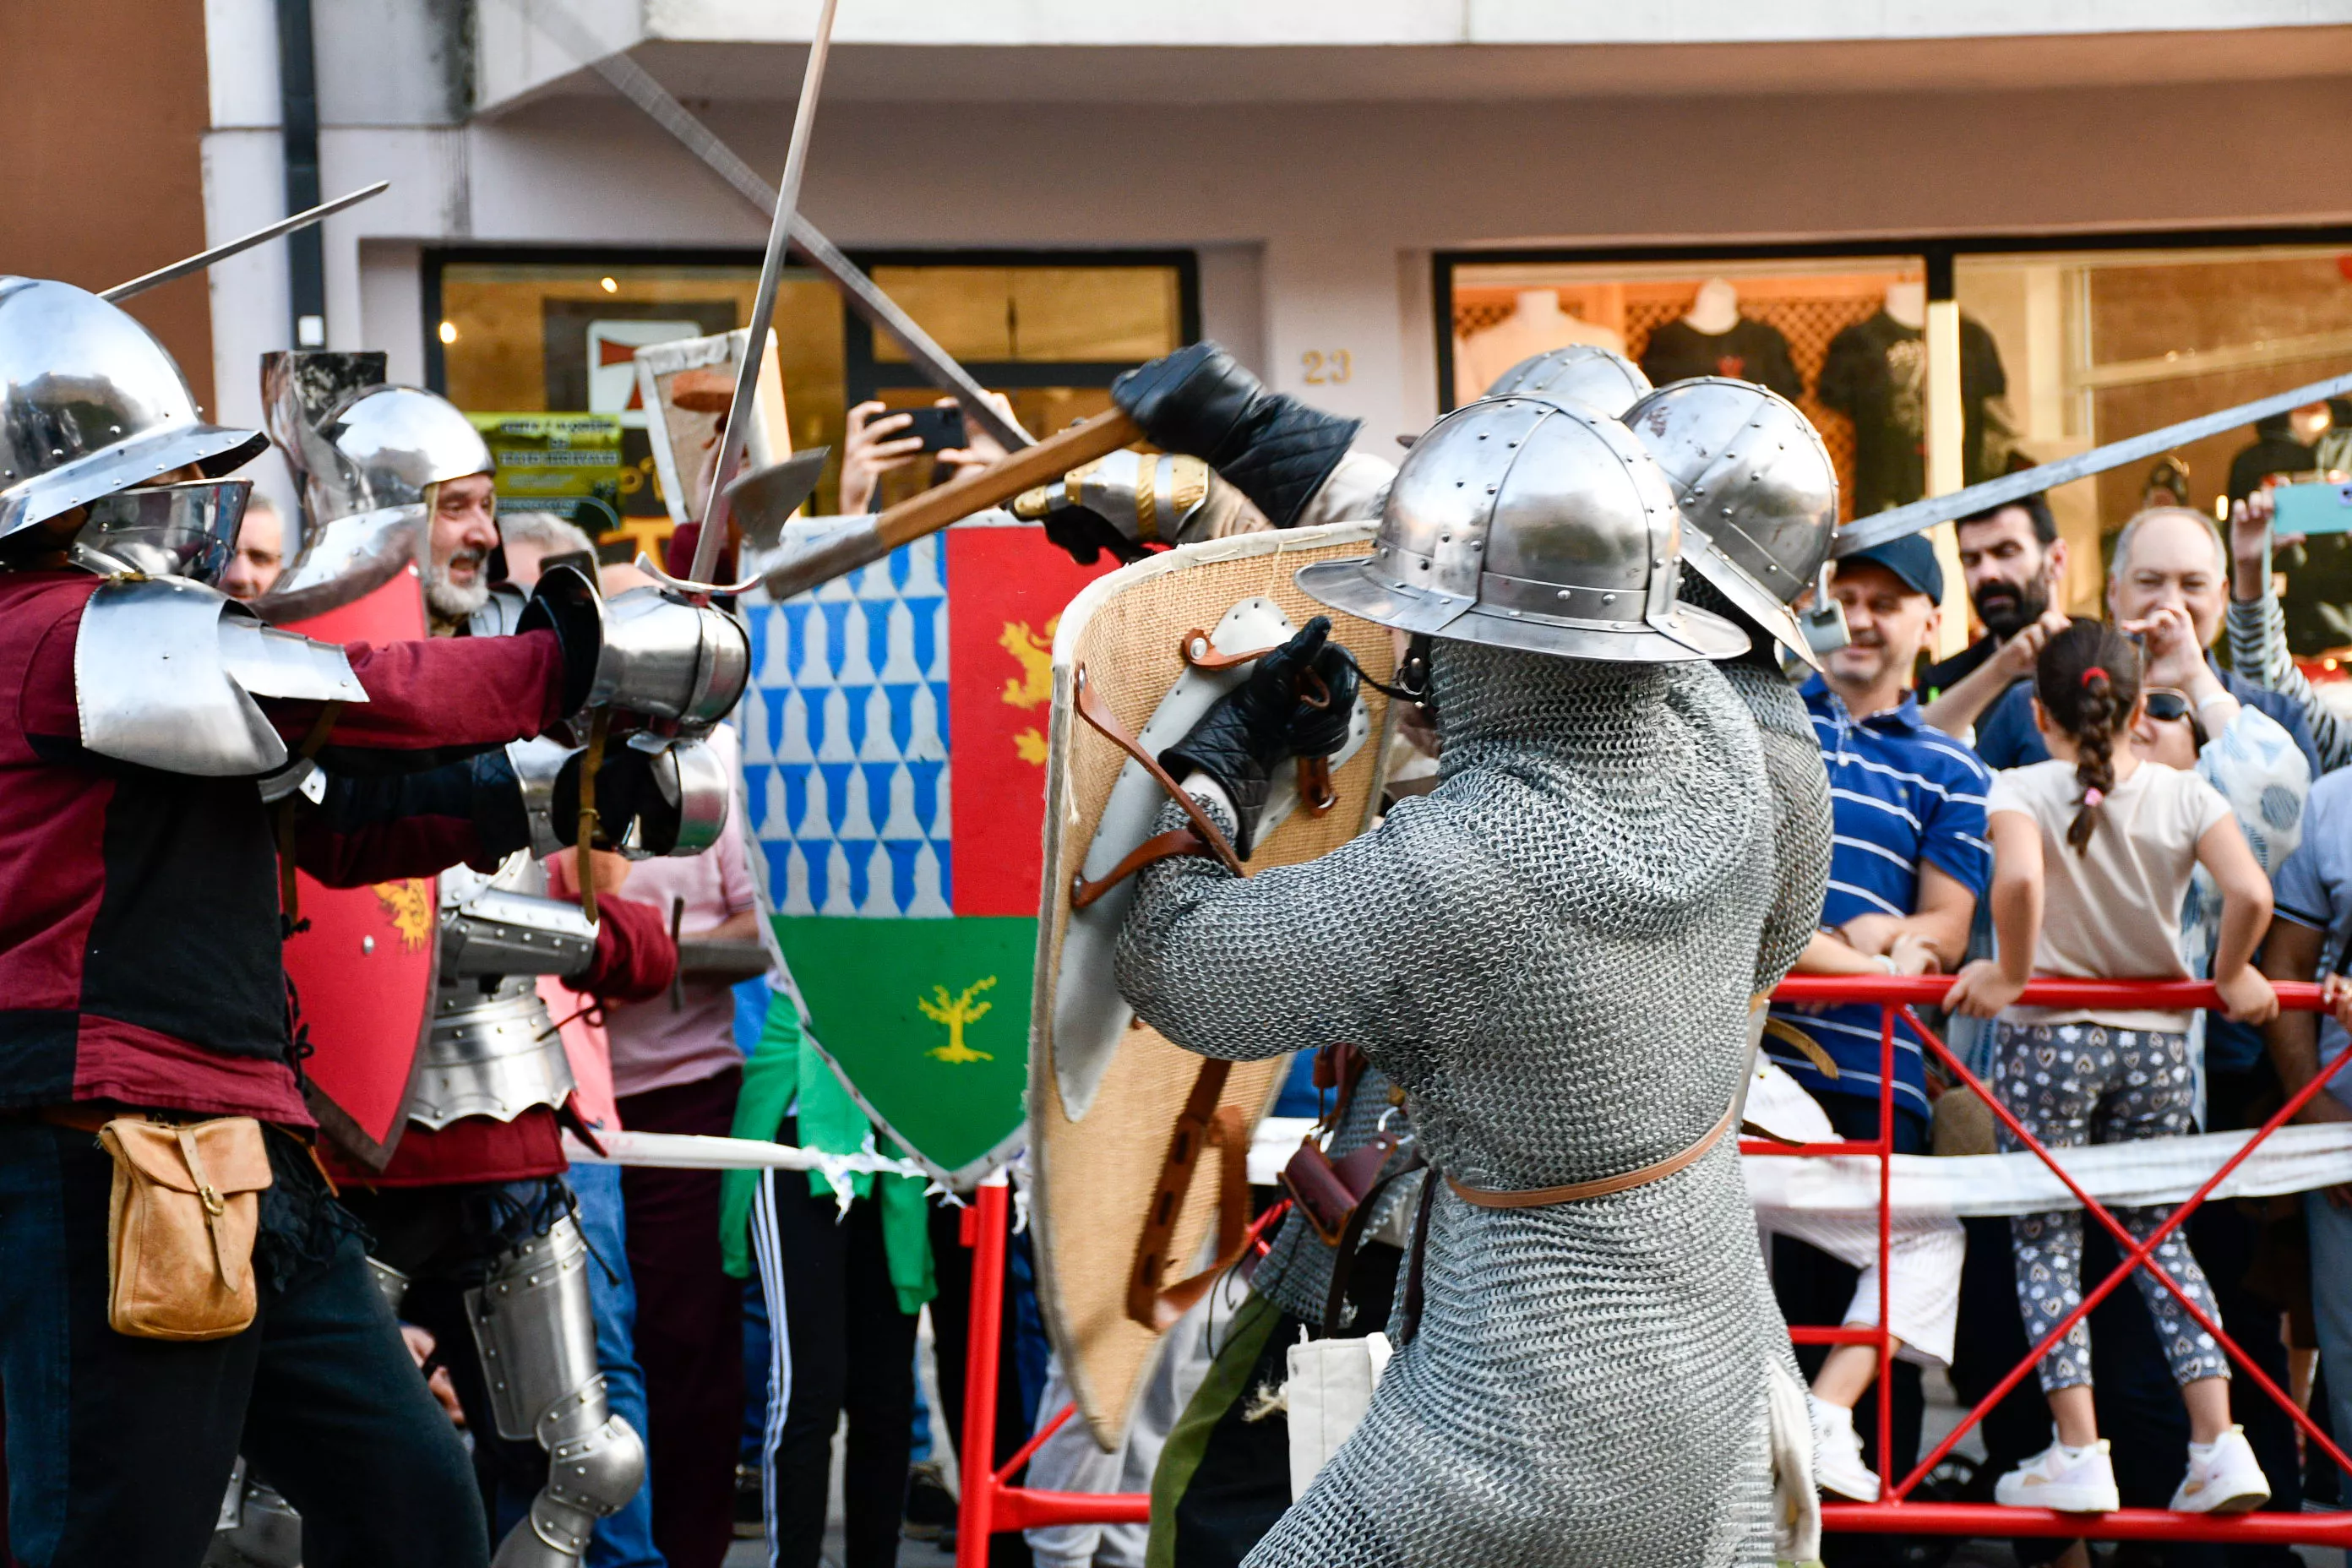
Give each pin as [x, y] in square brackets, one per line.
[284, 225]
[1864, 533]
[763, 303]
[936, 365]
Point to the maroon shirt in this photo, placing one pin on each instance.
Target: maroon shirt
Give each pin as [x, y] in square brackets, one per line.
[139, 935]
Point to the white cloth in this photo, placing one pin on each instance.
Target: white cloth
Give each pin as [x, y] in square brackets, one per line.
[1924, 1254]
[1326, 1388]
[2112, 912]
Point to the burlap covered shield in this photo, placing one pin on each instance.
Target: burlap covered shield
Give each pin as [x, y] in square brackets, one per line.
[1116, 1111]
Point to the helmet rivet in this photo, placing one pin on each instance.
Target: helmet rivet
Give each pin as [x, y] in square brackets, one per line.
[1608, 598]
[1727, 512]
[1566, 594]
[114, 429]
[1482, 435]
[57, 452]
[1490, 489]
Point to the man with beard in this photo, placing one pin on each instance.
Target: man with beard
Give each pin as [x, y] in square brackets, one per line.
[465, 533]
[2013, 562]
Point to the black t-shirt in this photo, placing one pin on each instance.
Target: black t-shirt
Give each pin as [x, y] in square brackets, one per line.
[1876, 374]
[1749, 351]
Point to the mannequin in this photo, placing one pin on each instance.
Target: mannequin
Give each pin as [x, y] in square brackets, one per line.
[1712, 338]
[1536, 324]
[1907, 303]
[1717, 309]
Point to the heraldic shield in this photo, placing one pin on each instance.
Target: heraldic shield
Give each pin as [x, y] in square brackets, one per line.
[1137, 1148]
[362, 960]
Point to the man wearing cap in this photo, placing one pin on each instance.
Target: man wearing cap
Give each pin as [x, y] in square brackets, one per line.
[1908, 862]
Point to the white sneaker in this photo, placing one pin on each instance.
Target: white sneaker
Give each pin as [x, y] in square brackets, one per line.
[2223, 1477]
[2072, 1480]
[1837, 1468]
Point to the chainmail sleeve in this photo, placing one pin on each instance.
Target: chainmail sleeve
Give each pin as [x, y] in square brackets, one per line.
[1800, 818]
[1333, 951]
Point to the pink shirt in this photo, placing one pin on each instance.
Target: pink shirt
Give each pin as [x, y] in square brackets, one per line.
[654, 1046]
[586, 1048]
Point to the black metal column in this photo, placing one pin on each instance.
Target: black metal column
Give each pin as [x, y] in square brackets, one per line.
[297, 100]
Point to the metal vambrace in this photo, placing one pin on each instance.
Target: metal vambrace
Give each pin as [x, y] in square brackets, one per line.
[533, 1327]
[646, 652]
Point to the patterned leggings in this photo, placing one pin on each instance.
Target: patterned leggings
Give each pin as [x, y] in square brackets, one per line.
[2074, 1084]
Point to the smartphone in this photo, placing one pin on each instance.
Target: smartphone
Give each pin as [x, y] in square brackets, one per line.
[942, 429]
[2319, 507]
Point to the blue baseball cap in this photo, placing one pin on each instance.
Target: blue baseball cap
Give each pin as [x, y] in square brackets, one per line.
[1911, 558]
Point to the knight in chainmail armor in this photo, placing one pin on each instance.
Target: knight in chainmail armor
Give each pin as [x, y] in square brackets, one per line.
[1601, 830]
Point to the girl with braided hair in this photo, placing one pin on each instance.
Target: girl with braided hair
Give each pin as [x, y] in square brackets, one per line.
[2092, 854]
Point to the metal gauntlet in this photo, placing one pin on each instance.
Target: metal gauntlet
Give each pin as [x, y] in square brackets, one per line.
[653, 797]
[647, 652]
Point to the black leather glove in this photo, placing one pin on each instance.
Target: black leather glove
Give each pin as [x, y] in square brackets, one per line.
[1085, 534]
[632, 788]
[1297, 702]
[1202, 402]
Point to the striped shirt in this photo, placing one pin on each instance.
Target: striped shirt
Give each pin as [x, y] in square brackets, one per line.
[1900, 793]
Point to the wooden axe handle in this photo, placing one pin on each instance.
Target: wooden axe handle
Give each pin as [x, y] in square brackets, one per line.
[933, 510]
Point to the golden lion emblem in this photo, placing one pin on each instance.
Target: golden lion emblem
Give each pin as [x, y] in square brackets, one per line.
[409, 905]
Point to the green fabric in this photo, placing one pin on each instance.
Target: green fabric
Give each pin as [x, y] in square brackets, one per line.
[1188, 1441]
[783, 1066]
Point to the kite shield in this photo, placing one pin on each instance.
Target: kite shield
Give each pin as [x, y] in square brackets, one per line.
[1122, 1124]
[362, 960]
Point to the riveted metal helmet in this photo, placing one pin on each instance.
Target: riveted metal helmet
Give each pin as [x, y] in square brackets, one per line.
[391, 444]
[1756, 489]
[1580, 373]
[90, 404]
[1526, 524]
[367, 464]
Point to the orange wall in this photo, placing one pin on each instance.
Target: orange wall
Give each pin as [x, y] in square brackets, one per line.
[105, 107]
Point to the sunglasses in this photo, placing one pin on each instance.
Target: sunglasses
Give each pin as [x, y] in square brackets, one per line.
[2169, 705]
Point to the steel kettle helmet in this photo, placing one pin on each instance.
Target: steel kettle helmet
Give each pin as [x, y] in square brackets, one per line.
[1580, 373]
[389, 446]
[1757, 491]
[1528, 524]
[91, 404]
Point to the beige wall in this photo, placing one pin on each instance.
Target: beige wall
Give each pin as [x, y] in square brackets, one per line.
[106, 112]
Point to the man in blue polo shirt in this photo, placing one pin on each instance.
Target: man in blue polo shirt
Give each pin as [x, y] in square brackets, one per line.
[1908, 862]
[1910, 857]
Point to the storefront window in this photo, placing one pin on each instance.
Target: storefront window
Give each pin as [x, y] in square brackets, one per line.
[2107, 344]
[510, 338]
[1839, 338]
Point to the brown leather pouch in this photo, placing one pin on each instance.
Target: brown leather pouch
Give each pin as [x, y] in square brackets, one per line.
[180, 1226]
[1326, 1191]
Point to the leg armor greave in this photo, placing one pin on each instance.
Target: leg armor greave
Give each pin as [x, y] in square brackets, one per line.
[538, 1341]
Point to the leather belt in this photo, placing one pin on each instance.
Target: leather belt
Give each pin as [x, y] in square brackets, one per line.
[1576, 1192]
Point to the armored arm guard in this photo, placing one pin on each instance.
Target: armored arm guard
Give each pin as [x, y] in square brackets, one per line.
[167, 672]
[646, 652]
[1274, 449]
[653, 797]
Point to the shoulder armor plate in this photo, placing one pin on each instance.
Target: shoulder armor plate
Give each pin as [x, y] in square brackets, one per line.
[165, 672]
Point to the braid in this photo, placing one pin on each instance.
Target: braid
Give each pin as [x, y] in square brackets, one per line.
[2088, 682]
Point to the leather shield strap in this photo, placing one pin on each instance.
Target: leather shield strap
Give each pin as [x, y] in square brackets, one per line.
[1203, 1121]
[1543, 1197]
[1090, 708]
[1165, 847]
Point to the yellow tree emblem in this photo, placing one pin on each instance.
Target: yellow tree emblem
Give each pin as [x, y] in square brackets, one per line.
[955, 1013]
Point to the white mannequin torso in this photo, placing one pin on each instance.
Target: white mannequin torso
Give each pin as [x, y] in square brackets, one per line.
[1536, 325]
[1907, 303]
[1717, 309]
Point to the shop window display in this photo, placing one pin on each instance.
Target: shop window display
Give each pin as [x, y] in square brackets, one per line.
[518, 336]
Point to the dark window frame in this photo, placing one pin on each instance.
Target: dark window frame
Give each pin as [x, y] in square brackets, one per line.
[862, 374]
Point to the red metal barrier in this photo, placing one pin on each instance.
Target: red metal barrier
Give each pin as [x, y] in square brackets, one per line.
[991, 1502]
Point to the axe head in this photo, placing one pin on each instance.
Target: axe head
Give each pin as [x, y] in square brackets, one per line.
[762, 501]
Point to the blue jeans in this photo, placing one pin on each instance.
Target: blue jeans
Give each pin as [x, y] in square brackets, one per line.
[625, 1540]
[119, 1449]
[2331, 1303]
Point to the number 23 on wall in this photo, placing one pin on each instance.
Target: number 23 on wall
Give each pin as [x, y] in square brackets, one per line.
[1327, 367]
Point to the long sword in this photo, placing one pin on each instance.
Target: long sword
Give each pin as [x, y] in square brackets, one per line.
[633, 82]
[197, 263]
[1877, 529]
[763, 303]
